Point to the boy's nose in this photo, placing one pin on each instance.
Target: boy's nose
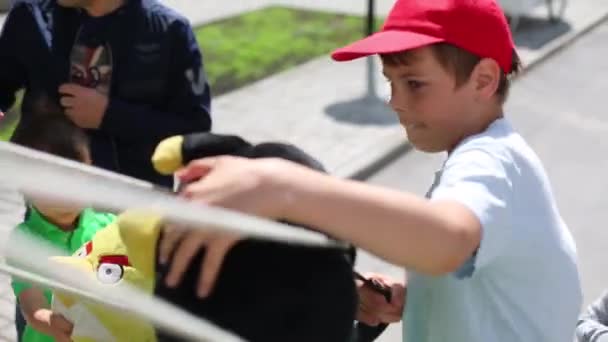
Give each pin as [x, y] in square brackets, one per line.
[398, 106]
[398, 102]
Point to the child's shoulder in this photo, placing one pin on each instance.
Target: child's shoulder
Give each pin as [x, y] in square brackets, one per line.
[498, 152]
[499, 143]
[92, 217]
[91, 221]
[482, 149]
[31, 219]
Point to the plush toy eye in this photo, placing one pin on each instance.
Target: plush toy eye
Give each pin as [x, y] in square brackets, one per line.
[81, 253]
[84, 250]
[109, 273]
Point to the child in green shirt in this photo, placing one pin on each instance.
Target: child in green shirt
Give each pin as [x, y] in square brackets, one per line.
[64, 227]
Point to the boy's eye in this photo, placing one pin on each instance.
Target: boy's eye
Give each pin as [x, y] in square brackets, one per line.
[414, 84]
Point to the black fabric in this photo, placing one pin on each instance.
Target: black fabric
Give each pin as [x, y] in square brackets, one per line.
[269, 291]
[199, 145]
[273, 292]
[20, 322]
[205, 144]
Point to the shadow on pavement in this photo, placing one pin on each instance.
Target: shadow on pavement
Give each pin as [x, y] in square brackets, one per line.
[366, 110]
[534, 33]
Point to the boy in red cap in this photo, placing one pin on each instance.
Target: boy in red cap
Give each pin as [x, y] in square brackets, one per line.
[488, 255]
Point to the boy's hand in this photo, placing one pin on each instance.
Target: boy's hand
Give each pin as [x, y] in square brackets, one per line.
[373, 307]
[58, 326]
[61, 328]
[230, 182]
[188, 243]
[246, 185]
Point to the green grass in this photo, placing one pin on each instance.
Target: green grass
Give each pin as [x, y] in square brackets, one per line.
[249, 47]
[246, 48]
[6, 130]
[10, 121]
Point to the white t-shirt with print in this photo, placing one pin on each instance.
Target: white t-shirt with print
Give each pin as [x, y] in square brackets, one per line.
[523, 283]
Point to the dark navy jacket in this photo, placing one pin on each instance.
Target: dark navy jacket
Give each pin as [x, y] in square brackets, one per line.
[158, 85]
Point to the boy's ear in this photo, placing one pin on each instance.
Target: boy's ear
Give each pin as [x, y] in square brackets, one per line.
[486, 78]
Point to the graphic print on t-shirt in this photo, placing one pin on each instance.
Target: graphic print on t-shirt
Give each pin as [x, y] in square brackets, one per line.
[92, 67]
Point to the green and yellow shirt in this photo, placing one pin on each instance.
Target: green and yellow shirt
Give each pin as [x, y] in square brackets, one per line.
[37, 225]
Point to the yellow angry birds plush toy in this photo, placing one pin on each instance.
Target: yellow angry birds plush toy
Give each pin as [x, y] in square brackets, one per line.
[121, 252]
[266, 291]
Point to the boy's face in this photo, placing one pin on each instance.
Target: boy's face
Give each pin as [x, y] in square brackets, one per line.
[61, 214]
[430, 107]
[75, 3]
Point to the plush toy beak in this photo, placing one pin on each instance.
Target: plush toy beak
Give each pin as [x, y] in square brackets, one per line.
[168, 157]
[87, 326]
[66, 301]
[73, 262]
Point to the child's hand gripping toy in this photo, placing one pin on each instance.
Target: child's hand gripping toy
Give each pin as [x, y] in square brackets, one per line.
[266, 291]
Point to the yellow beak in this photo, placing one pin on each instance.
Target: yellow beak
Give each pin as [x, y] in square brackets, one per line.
[77, 263]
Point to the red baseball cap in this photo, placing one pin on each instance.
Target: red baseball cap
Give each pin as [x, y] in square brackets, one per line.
[477, 26]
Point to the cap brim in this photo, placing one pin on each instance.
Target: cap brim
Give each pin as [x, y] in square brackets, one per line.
[384, 42]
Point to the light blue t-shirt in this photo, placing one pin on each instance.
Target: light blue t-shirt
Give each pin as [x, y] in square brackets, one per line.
[522, 284]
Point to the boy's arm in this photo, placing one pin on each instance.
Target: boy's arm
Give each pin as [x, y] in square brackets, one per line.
[36, 311]
[592, 325]
[404, 229]
[433, 237]
[189, 98]
[33, 303]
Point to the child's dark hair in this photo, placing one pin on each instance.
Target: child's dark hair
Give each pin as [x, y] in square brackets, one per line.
[37, 104]
[55, 135]
[461, 63]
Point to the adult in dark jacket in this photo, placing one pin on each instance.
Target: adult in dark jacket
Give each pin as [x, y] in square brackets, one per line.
[128, 71]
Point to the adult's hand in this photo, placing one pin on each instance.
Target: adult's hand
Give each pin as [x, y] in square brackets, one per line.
[85, 106]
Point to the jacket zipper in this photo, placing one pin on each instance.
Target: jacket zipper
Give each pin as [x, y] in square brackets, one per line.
[112, 139]
[110, 136]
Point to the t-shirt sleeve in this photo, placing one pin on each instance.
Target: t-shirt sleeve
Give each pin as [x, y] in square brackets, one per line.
[20, 286]
[479, 180]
